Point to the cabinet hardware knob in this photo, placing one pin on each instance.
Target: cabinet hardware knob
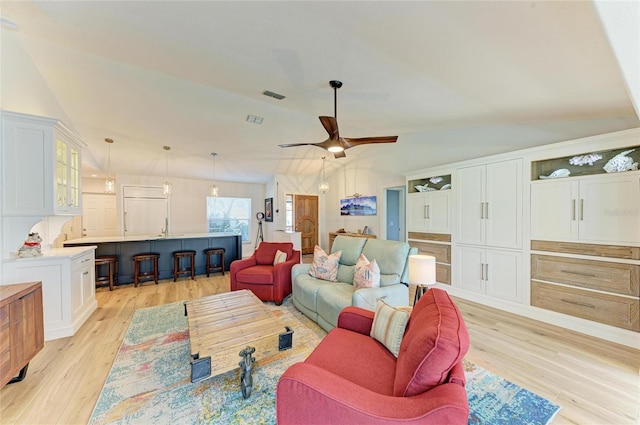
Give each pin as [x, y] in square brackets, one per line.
[578, 273]
[578, 303]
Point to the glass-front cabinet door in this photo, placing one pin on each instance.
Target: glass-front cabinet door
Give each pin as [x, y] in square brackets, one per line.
[67, 177]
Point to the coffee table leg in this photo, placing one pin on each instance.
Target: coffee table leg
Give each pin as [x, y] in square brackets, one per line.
[246, 380]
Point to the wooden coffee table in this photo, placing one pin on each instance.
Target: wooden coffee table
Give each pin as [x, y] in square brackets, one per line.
[225, 326]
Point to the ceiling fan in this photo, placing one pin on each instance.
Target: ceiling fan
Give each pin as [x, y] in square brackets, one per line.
[336, 144]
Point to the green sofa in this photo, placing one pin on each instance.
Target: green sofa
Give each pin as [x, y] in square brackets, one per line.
[322, 300]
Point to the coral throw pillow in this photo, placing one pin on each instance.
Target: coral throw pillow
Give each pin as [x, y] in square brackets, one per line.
[280, 257]
[325, 266]
[388, 326]
[367, 273]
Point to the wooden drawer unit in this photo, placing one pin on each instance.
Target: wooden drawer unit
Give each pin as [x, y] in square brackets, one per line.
[605, 276]
[21, 328]
[442, 252]
[609, 309]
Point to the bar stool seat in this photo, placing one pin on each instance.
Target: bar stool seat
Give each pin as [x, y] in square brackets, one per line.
[213, 267]
[191, 269]
[138, 259]
[112, 276]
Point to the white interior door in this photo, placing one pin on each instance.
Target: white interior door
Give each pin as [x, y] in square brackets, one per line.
[98, 215]
[144, 216]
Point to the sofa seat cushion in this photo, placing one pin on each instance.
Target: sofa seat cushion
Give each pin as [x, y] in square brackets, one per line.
[362, 360]
[305, 290]
[434, 341]
[256, 275]
[332, 299]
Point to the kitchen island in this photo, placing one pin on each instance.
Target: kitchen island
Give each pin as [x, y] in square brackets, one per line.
[125, 247]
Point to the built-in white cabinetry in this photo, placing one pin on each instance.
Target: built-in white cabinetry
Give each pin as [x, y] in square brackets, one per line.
[429, 211]
[41, 167]
[602, 208]
[494, 272]
[489, 204]
[68, 286]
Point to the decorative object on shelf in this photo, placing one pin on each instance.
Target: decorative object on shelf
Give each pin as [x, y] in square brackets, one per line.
[422, 274]
[323, 187]
[31, 247]
[589, 159]
[359, 205]
[424, 188]
[213, 190]
[166, 186]
[110, 182]
[620, 163]
[435, 180]
[562, 172]
[446, 186]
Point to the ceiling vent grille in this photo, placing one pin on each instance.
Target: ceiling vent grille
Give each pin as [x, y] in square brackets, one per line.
[272, 94]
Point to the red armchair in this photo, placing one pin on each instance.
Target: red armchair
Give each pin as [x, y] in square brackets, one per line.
[257, 273]
[350, 378]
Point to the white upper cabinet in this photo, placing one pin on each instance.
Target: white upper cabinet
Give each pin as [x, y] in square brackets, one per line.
[429, 212]
[42, 162]
[489, 204]
[603, 208]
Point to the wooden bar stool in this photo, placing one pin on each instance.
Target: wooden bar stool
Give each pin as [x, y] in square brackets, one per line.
[212, 267]
[177, 270]
[153, 273]
[112, 276]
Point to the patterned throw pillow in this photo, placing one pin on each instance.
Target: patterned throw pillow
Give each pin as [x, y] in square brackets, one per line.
[325, 266]
[367, 273]
[280, 257]
[388, 326]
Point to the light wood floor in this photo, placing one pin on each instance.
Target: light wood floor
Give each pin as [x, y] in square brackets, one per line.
[595, 382]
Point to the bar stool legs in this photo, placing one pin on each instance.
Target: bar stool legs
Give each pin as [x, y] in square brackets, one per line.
[213, 267]
[191, 269]
[152, 274]
[112, 277]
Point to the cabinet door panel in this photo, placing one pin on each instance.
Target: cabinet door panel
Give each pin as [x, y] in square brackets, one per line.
[504, 275]
[610, 209]
[417, 221]
[439, 212]
[469, 265]
[503, 209]
[470, 190]
[554, 210]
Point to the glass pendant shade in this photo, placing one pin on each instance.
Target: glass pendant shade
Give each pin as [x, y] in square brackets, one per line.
[323, 187]
[110, 182]
[213, 190]
[166, 186]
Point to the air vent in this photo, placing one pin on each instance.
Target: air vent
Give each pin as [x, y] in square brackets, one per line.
[254, 119]
[272, 94]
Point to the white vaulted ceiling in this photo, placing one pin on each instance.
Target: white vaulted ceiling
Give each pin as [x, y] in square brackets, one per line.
[454, 79]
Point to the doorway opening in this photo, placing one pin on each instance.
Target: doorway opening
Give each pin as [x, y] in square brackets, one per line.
[395, 213]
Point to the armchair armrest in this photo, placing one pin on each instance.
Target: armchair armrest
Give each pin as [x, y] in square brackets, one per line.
[299, 269]
[307, 393]
[356, 319]
[282, 277]
[238, 265]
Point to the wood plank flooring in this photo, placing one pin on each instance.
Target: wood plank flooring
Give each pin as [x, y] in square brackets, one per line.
[594, 381]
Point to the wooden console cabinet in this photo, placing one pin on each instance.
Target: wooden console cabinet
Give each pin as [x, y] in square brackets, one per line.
[21, 329]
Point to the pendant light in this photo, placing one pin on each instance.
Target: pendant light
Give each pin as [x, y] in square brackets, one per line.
[324, 185]
[213, 191]
[166, 186]
[109, 183]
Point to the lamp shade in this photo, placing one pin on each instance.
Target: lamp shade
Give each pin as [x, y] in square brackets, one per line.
[422, 270]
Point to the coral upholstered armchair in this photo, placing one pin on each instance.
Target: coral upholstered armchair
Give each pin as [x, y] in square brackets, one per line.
[352, 378]
[259, 274]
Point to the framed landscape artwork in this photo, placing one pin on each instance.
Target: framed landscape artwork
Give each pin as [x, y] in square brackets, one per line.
[362, 205]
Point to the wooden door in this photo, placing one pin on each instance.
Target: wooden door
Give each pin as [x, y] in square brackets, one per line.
[306, 221]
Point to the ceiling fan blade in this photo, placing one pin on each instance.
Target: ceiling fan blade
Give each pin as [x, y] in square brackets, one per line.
[331, 125]
[340, 154]
[290, 145]
[367, 140]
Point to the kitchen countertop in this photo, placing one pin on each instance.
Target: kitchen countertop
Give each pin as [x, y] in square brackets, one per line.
[53, 253]
[104, 239]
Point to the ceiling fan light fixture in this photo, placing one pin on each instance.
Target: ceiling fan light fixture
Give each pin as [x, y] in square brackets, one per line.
[335, 149]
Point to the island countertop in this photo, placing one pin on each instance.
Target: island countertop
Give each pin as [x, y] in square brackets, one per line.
[103, 239]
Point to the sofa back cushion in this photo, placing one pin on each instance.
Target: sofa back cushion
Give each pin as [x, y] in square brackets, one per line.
[391, 257]
[266, 251]
[434, 341]
[351, 249]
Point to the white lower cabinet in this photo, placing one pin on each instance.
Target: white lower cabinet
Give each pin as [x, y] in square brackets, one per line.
[68, 287]
[493, 272]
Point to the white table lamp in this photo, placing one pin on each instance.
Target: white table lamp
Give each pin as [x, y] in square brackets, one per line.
[422, 274]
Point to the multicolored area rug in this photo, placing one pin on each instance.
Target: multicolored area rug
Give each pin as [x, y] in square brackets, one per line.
[150, 382]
